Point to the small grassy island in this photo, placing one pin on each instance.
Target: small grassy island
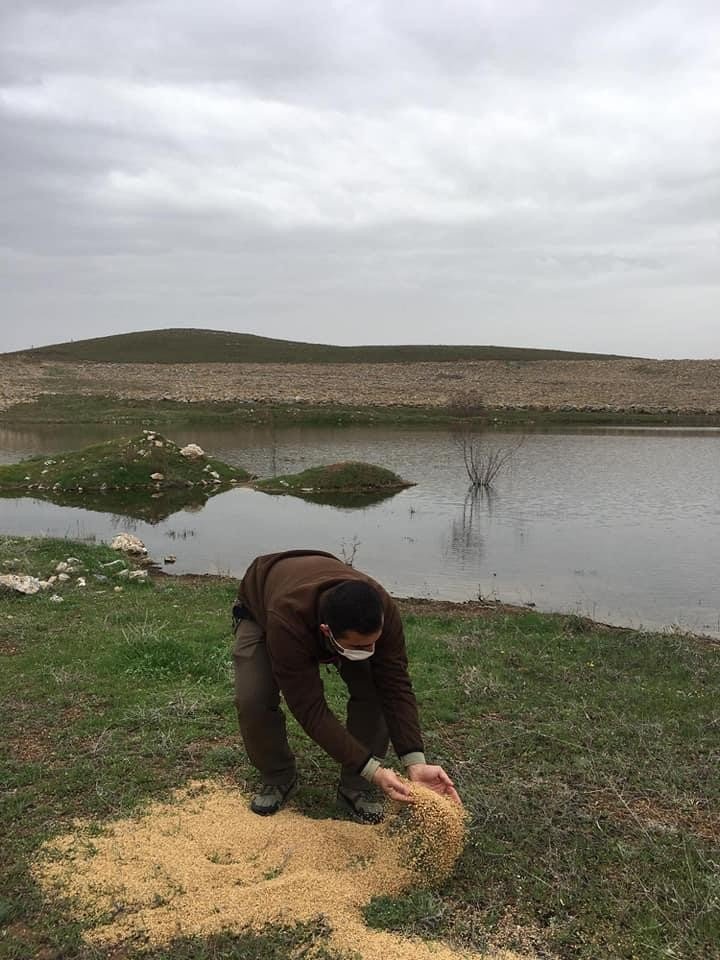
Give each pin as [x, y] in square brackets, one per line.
[146, 476]
[348, 477]
[146, 462]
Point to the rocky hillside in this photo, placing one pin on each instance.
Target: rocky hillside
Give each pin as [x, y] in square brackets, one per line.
[684, 386]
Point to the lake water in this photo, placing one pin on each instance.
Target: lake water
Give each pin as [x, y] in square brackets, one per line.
[620, 524]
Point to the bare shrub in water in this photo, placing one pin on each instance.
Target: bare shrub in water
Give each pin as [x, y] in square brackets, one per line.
[484, 461]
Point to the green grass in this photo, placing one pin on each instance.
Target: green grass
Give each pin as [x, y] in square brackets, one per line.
[125, 464]
[346, 477]
[303, 941]
[218, 346]
[588, 759]
[75, 408]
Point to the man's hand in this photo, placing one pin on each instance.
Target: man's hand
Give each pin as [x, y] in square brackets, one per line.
[433, 777]
[392, 785]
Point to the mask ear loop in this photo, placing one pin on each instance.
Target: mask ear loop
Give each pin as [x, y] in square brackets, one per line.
[330, 637]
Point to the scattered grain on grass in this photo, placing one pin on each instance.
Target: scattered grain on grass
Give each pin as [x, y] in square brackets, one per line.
[202, 863]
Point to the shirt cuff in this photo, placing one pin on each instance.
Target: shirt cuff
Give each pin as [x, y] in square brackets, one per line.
[370, 769]
[417, 756]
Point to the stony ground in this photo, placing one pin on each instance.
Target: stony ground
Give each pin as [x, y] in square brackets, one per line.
[685, 386]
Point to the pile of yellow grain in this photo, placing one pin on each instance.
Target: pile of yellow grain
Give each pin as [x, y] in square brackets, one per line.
[202, 863]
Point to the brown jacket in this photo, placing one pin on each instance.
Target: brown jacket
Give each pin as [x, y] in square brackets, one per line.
[282, 591]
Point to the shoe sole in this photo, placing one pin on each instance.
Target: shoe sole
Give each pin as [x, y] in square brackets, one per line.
[346, 807]
[278, 808]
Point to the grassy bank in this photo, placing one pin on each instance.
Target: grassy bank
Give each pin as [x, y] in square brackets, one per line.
[588, 759]
[74, 408]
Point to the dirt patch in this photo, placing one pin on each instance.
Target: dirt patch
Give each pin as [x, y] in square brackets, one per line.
[656, 816]
[28, 749]
[201, 746]
[469, 609]
[203, 863]
[653, 386]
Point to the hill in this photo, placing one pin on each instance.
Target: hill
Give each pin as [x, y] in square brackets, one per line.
[177, 345]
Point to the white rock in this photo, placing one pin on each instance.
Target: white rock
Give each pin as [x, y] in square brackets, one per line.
[192, 452]
[170, 558]
[81, 582]
[61, 567]
[129, 543]
[157, 476]
[73, 560]
[138, 575]
[56, 599]
[63, 577]
[20, 583]
[159, 443]
[118, 589]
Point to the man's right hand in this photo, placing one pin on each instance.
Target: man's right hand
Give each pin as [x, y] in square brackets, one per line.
[392, 785]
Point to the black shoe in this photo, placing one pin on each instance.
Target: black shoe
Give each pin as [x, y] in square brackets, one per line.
[362, 805]
[271, 797]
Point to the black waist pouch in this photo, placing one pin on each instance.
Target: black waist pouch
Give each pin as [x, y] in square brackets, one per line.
[240, 612]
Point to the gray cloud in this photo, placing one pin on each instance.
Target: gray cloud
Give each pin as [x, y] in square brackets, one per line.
[541, 175]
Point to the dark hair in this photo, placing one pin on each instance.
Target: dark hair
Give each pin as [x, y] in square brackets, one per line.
[351, 605]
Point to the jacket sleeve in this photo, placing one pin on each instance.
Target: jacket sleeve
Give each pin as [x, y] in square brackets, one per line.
[298, 676]
[392, 681]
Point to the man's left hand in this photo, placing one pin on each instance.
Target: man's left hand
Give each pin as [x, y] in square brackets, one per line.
[435, 778]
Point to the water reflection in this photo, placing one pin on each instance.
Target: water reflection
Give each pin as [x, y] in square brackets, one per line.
[143, 505]
[342, 501]
[466, 541]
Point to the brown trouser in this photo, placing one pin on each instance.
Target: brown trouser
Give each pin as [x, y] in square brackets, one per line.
[262, 722]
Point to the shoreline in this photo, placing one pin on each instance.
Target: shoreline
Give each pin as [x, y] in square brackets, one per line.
[463, 609]
[81, 409]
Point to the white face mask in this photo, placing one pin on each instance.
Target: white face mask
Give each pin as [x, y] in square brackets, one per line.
[349, 654]
[355, 654]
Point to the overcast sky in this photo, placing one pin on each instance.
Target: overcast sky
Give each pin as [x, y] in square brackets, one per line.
[512, 172]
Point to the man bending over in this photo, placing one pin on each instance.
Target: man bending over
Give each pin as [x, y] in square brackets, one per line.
[295, 611]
